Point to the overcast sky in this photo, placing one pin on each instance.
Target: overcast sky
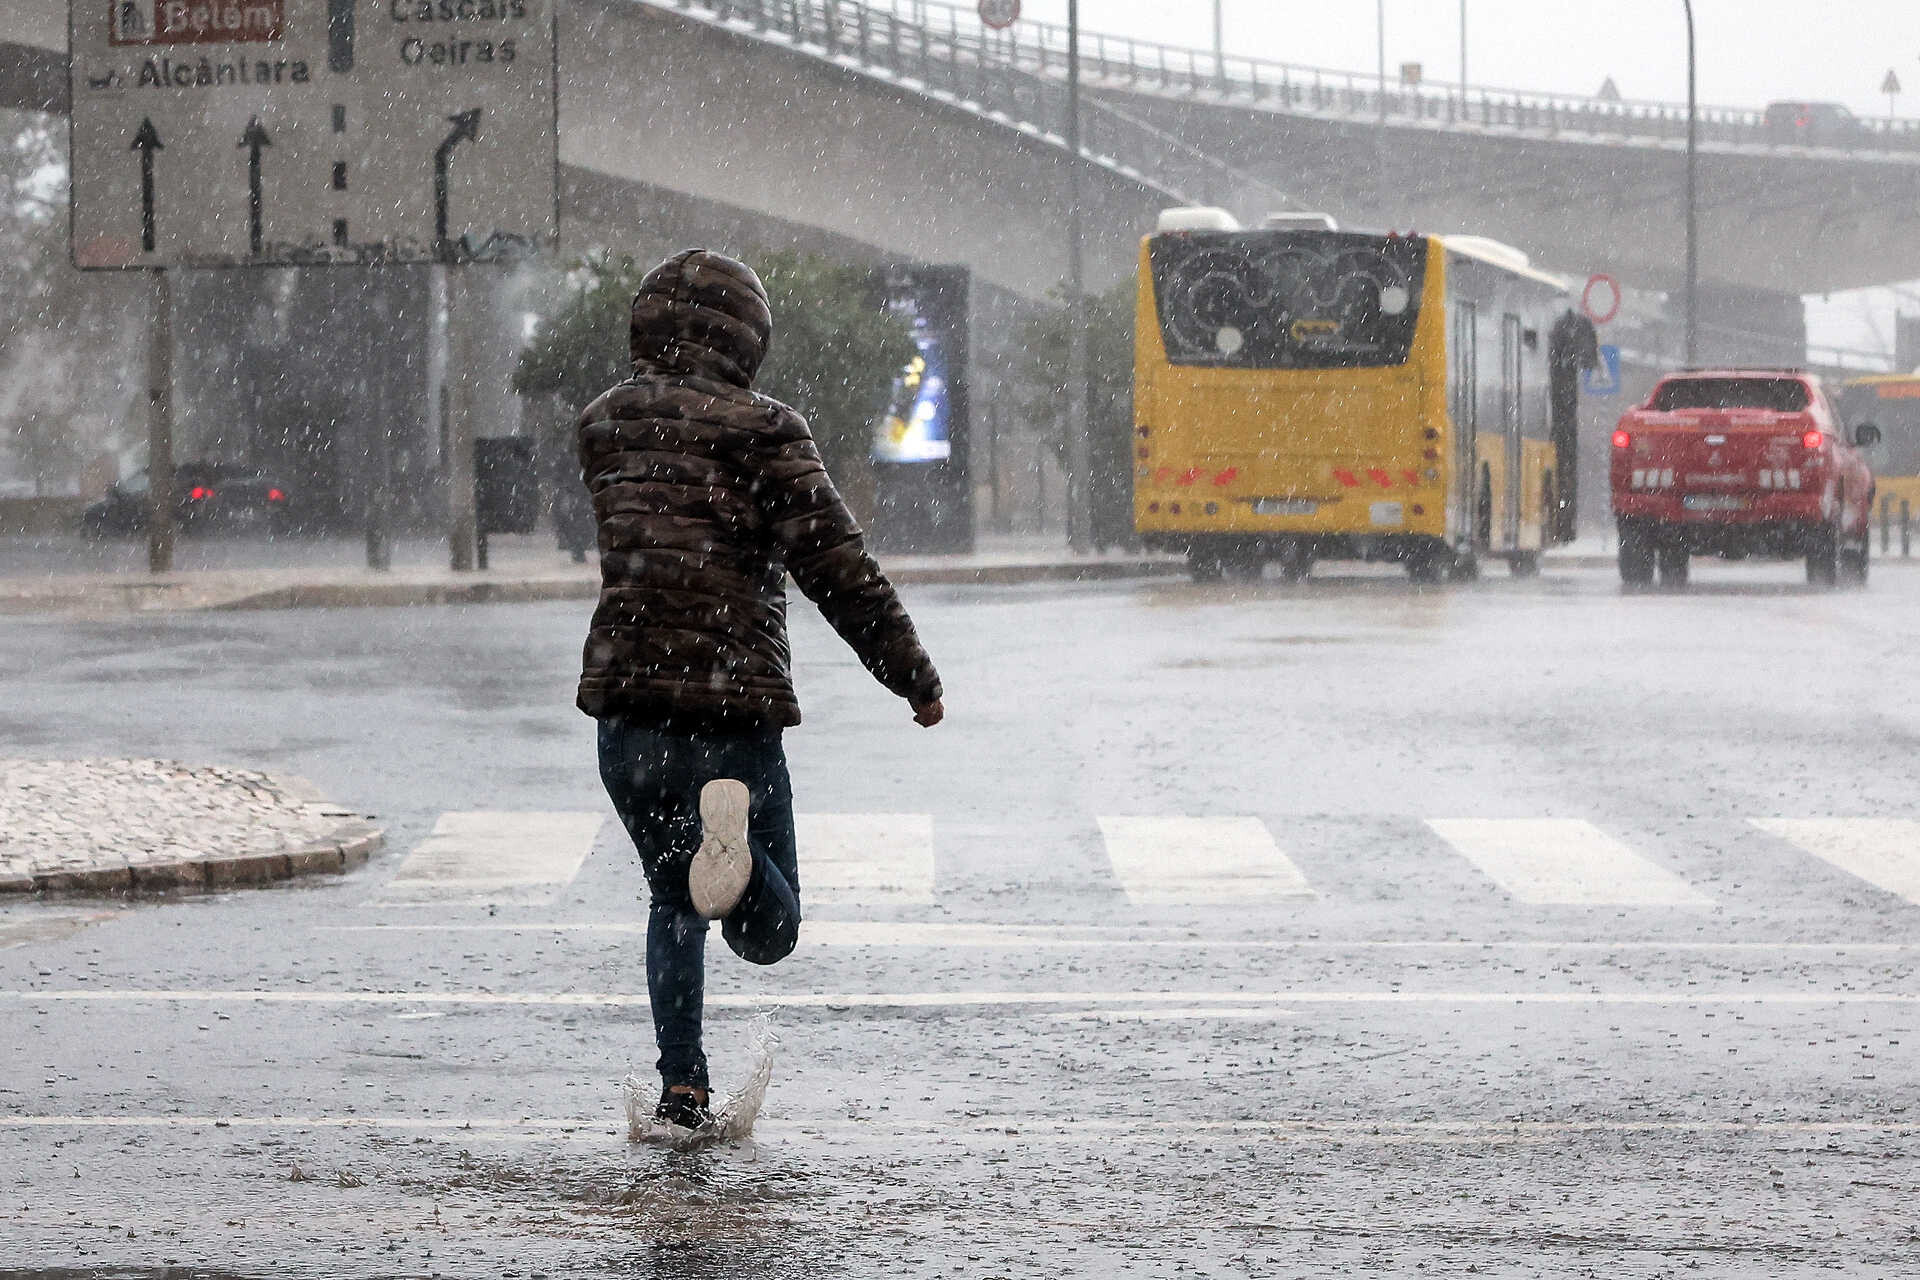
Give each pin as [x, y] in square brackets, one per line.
[1751, 51]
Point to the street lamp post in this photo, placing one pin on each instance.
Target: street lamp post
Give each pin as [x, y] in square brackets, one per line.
[1380, 43]
[1463, 58]
[1693, 216]
[1079, 381]
[1219, 45]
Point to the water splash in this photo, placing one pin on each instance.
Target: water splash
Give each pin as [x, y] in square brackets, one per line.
[734, 1112]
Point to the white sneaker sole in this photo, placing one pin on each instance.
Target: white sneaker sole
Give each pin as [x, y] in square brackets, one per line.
[724, 864]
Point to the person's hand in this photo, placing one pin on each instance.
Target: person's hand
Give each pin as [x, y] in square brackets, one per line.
[929, 714]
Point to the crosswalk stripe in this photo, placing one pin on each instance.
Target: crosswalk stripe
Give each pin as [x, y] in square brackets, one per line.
[866, 858]
[1885, 852]
[1199, 860]
[523, 857]
[1564, 862]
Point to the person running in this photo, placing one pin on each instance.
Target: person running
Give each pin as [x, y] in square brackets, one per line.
[706, 495]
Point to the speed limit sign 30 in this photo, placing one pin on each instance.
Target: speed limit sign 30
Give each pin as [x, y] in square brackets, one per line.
[999, 14]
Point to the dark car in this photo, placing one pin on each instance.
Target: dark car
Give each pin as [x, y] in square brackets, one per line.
[1813, 124]
[208, 497]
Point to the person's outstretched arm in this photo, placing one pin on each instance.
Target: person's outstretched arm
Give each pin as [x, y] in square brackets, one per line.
[827, 556]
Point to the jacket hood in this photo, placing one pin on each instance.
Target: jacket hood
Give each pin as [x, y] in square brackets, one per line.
[701, 313]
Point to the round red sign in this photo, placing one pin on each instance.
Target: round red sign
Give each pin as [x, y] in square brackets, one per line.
[1607, 304]
[999, 14]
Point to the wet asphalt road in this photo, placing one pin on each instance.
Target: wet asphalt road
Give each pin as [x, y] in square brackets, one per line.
[1052, 1067]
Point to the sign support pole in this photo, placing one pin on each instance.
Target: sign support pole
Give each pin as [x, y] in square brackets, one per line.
[380, 465]
[160, 508]
[463, 520]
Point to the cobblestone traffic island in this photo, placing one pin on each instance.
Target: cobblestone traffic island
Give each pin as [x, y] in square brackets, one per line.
[139, 826]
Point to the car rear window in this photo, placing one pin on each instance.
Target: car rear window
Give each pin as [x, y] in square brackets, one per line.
[1781, 395]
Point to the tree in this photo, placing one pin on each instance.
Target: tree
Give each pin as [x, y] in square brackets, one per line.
[836, 348]
[62, 334]
[1042, 372]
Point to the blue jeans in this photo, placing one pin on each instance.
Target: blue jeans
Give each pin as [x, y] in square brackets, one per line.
[654, 778]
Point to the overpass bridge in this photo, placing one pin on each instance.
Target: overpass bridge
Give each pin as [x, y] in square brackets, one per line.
[907, 126]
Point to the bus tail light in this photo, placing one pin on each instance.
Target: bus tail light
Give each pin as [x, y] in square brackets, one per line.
[1812, 440]
[1621, 439]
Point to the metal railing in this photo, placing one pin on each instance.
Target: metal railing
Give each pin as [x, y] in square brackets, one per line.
[945, 59]
[945, 47]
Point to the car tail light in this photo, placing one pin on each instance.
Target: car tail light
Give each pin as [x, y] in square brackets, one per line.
[1812, 440]
[276, 495]
[199, 493]
[1621, 439]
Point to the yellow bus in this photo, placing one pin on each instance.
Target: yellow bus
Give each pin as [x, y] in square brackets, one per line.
[1305, 393]
[1892, 403]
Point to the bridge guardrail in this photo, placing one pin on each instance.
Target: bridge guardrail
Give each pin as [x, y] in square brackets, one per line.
[945, 46]
[949, 61]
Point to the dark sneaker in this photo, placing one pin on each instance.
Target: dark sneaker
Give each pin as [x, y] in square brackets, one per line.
[724, 864]
[683, 1105]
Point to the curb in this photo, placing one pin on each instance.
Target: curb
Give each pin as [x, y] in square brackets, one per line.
[348, 595]
[350, 846]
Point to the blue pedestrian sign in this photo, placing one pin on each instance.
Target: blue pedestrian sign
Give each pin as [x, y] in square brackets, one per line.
[1604, 378]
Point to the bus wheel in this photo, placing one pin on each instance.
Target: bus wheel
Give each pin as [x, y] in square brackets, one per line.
[1673, 563]
[1524, 564]
[1823, 559]
[1296, 562]
[1464, 567]
[1244, 564]
[1205, 566]
[1636, 556]
[1430, 564]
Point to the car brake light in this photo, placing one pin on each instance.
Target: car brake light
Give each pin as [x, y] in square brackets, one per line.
[1621, 439]
[199, 493]
[274, 495]
[1812, 440]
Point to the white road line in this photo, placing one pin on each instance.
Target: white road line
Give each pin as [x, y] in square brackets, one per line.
[866, 858]
[1200, 860]
[1026, 1127]
[1885, 852]
[889, 933]
[495, 855]
[1564, 862]
[840, 1002]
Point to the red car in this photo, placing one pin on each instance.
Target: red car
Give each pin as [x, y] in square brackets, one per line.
[1739, 463]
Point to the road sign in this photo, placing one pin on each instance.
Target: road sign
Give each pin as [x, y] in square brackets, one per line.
[299, 132]
[1891, 84]
[999, 14]
[1603, 379]
[1601, 298]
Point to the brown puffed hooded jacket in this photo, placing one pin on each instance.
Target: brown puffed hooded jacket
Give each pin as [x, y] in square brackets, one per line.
[706, 495]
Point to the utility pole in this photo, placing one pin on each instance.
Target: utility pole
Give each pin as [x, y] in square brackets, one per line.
[379, 479]
[1463, 58]
[1219, 45]
[1693, 214]
[1380, 40]
[1079, 381]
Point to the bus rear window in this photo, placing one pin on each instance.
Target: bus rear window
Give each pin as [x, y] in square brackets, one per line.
[1894, 407]
[1287, 300]
[1780, 395]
